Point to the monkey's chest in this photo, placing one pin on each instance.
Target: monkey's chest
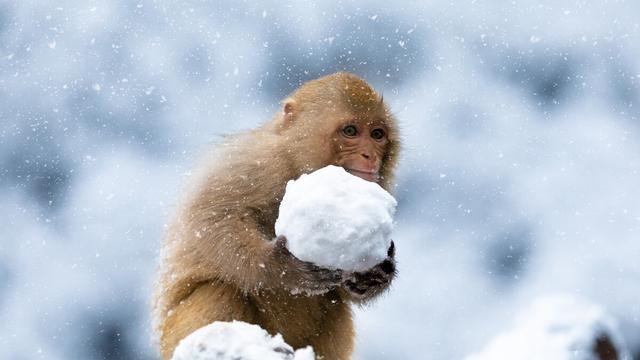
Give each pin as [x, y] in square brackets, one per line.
[302, 319]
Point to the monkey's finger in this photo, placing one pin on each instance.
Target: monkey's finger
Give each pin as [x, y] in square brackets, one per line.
[313, 268]
[354, 288]
[280, 247]
[281, 242]
[335, 276]
[351, 276]
[387, 266]
[392, 250]
[327, 276]
[382, 270]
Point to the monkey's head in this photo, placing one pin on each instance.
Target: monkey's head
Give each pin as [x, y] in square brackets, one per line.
[340, 120]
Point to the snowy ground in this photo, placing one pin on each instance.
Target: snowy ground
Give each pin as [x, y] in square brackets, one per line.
[558, 327]
[519, 176]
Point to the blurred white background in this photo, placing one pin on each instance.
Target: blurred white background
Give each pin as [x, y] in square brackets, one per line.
[519, 178]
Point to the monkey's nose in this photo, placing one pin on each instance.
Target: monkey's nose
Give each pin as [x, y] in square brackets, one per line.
[366, 156]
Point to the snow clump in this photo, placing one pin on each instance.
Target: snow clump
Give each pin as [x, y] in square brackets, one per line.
[559, 327]
[237, 340]
[336, 220]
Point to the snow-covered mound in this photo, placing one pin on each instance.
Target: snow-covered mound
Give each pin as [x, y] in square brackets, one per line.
[237, 340]
[336, 220]
[561, 327]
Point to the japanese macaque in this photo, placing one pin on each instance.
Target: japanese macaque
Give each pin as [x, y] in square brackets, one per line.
[221, 260]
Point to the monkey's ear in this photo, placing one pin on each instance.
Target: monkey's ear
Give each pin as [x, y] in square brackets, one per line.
[288, 107]
[289, 113]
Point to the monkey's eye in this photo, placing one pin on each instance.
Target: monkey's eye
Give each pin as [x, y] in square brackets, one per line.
[377, 134]
[350, 131]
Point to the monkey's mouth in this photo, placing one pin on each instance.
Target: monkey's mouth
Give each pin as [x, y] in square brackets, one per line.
[367, 175]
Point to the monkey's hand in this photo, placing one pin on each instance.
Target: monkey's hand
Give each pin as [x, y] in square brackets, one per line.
[362, 286]
[301, 276]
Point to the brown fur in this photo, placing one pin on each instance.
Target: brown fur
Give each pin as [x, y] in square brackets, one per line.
[219, 262]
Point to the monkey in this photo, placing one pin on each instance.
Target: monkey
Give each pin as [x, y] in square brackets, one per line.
[221, 260]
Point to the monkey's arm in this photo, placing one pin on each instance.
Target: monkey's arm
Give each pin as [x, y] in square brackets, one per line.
[302, 275]
[246, 257]
[361, 287]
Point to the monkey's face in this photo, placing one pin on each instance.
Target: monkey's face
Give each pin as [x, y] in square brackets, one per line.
[361, 146]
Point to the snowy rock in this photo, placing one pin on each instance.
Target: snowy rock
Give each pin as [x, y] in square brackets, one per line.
[336, 220]
[560, 327]
[237, 340]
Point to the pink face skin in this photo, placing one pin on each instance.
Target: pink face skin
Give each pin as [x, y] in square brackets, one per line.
[362, 146]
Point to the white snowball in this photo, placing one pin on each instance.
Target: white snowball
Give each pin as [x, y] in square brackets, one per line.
[336, 220]
[237, 340]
